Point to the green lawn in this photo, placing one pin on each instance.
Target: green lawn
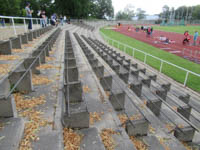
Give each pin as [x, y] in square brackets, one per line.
[178, 29]
[175, 73]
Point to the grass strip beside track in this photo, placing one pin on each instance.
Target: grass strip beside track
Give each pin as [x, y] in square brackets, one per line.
[175, 73]
[178, 29]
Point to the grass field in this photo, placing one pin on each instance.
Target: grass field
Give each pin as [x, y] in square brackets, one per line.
[178, 29]
[175, 73]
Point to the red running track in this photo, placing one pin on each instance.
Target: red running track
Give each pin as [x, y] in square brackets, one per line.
[189, 52]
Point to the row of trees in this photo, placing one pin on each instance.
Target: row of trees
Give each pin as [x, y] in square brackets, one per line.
[128, 13]
[183, 12]
[73, 8]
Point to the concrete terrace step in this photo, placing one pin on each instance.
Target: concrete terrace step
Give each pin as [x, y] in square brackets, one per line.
[95, 103]
[11, 133]
[153, 122]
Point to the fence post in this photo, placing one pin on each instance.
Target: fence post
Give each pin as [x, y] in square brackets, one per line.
[133, 53]
[161, 65]
[186, 77]
[37, 22]
[14, 26]
[25, 25]
[145, 58]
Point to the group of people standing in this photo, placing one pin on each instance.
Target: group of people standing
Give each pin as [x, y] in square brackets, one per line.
[54, 20]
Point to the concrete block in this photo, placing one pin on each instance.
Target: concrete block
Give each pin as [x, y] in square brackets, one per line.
[30, 36]
[162, 93]
[105, 57]
[69, 50]
[99, 71]
[24, 38]
[135, 65]
[128, 61]
[90, 56]
[94, 62]
[153, 77]
[119, 60]
[26, 83]
[124, 76]
[185, 134]
[78, 116]
[38, 33]
[117, 99]
[69, 55]
[126, 66]
[106, 83]
[146, 81]
[16, 43]
[71, 74]
[7, 107]
[185, 111]
[5, 47]
[34, 34]
[136, 87]
[135, 73]
[4, 87]
[29, 61]
[47, 50]
[185, 98]
[122, 57]
[137, 127]
[155, 106]
[143, 70]
[71, 62]
[166, 86]
[116, 68]
[109, 61]
[74, 91]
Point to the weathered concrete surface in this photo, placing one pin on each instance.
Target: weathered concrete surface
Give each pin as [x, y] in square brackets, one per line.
[5, 47]
[11, 133]
[91, 140]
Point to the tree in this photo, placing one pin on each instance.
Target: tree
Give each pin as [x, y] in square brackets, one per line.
[140, 14]
[10, 7]
[127, 14]
[196, 12]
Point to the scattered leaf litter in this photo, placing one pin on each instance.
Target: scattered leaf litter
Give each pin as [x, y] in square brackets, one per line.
[8, 57]
[162, 142]
[86, 89]
[4, 68]
[26, 107]
[123, 118]
[47, 66]
[39, 80]
[72, 140]
[17, 50]
[95, 116]
[1, 126]
[50, 58]
[139, 144]
[187, 146]
[152, 130]
[108, 141]
[22, 103]
[170, 127]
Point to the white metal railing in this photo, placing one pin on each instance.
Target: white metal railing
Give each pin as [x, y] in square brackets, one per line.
[106, 38]
[38, 22]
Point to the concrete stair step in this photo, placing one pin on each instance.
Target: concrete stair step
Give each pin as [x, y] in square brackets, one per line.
[11, 133]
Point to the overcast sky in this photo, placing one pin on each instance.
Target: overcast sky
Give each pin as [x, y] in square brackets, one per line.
[152, 6]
